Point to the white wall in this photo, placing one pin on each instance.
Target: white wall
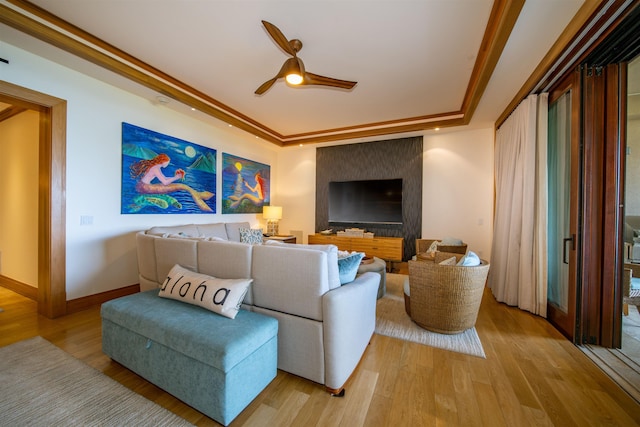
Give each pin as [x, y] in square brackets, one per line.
[297, 189]
[101, 256]
[457, 187]
[19, 198]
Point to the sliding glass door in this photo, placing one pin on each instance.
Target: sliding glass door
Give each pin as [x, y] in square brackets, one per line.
[562, 162]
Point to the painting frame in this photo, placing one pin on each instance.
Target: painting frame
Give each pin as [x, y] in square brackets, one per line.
[246, 185]
[148, 160]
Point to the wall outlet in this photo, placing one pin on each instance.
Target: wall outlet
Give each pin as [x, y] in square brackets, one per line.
[86, 220]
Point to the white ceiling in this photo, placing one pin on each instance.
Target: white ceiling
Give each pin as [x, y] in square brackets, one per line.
[411, 58]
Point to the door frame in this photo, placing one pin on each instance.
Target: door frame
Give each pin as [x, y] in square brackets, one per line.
[52, 296]
[600, 312]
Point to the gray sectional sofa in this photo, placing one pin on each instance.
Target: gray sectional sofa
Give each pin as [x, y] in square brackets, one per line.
[323, 327]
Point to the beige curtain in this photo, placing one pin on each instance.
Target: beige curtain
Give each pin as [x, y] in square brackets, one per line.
[518, 274]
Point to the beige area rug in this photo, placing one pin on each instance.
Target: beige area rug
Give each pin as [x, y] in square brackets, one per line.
[41, 385]
[393, 321]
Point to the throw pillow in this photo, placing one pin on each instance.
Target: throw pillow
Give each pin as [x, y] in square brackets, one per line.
[451, 241]
[433, 248]
[449, 261]
[348, 267]
[222, 296]
[470, 259]
[251, 236]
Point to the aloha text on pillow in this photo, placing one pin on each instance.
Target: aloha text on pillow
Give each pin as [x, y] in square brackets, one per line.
[222, 296]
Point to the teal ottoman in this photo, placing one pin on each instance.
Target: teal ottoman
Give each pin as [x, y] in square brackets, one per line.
[215, 364]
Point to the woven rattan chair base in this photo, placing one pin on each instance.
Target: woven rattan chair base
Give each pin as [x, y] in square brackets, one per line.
[445, 298]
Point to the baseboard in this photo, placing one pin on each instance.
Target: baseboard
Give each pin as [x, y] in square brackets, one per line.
[23, 289]
[89, 301]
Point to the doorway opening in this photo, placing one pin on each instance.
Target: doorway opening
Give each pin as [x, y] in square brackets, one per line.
[52, 297]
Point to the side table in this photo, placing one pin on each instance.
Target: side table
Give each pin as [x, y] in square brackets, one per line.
[281, 238]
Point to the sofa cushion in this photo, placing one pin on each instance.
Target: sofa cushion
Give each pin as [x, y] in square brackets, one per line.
[170, 252]
[189, 230]
[222, 296]
[147, 267]
[250, 235]
[348, 266]
[332, 260]
[226, 260]
[290, 280]
[233, 230]
[213, 230]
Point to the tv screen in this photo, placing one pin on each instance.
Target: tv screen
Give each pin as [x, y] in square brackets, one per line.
[371, 201]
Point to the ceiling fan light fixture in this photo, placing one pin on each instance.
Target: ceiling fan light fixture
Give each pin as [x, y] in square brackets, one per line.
[294, 78]
[293, 73]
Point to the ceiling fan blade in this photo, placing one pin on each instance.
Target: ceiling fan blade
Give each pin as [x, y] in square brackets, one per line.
[265, 86]
[279, 38]
[315, 79]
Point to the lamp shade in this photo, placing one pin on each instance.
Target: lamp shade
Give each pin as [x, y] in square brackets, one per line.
[272, 212]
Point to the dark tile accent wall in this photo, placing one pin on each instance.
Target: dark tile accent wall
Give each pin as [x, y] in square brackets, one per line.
[397, 158]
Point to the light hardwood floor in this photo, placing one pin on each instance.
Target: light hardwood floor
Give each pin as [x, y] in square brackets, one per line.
[532, 376]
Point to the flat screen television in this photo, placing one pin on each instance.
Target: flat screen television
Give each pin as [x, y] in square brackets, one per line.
[369, 202]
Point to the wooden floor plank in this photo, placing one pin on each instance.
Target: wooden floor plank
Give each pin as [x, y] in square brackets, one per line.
[532, 376]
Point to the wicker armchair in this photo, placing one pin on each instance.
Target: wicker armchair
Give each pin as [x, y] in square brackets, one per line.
[422, 245]
[630, 296]
[445, 298]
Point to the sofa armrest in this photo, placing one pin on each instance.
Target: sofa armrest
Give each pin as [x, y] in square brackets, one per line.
[349, 320]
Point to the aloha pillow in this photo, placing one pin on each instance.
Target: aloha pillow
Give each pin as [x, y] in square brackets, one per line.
[470, 259]
[222, 296]
[251, 235]
[449, 261]
[348, 267]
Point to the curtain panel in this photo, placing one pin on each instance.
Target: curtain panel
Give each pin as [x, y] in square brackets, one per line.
[518, 275]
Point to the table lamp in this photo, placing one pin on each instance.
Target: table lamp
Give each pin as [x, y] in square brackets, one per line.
[272, 214]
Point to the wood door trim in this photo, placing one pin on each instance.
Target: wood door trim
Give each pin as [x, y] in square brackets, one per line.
[613, 221]
[593, 132]
[52, 297]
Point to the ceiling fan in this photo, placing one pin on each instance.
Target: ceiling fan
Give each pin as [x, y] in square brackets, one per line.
[293, 68]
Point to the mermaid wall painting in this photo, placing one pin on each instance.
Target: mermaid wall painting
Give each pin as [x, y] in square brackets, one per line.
[165, 175]
[245, 185]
